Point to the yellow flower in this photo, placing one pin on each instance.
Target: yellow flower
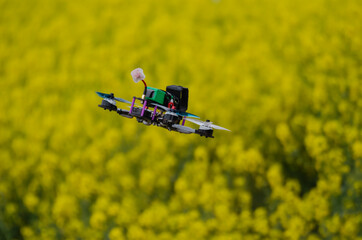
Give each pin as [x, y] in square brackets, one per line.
[98, 220]
[116, 234]
[283, 132]
[357, 149]
[64, 209]
[113, 209]
[135, 232]
[350, 227]
[31, 201]
[27, 233]
[316, 145]
[154, 216]
[333, 224]
[147, 180]
[261, 224]
[274, 175]
[181, 185]
[333, 130]
[296, 228]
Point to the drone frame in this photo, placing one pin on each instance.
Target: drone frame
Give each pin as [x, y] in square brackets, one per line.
[160, 116]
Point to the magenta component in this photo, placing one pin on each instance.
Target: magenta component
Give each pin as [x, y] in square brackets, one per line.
[183, 121]
[134, 99]
[143, 108]
[154, 113]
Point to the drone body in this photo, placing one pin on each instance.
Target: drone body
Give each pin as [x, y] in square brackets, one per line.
[161, 108]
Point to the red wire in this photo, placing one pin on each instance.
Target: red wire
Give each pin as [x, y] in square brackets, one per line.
[144, 83]
[144, 92]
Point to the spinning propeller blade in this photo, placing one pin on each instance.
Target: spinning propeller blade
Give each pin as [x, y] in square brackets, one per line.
[180, 113]
[185, 114]
[111, 96]
[103, 95]
[206, 124]
[122, 100]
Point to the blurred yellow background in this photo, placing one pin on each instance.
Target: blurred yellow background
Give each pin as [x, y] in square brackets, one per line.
[284, 76]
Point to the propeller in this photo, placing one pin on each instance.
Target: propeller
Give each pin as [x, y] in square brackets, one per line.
[207, 124]
[180, 113]
[111, 96]
[183, 129]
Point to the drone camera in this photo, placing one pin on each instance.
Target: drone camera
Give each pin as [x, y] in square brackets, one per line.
[181, 96]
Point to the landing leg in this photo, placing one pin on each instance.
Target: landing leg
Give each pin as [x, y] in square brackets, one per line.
[130, 111]
[144, 107]
[154, 113]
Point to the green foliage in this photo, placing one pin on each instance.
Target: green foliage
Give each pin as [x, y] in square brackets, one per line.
[284, 76]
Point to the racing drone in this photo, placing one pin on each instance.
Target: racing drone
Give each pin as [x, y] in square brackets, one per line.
[161, 108]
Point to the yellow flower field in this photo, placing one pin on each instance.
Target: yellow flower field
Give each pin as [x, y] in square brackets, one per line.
[284, 76]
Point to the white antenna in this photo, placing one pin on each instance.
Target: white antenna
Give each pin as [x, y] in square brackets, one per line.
[137, 76]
